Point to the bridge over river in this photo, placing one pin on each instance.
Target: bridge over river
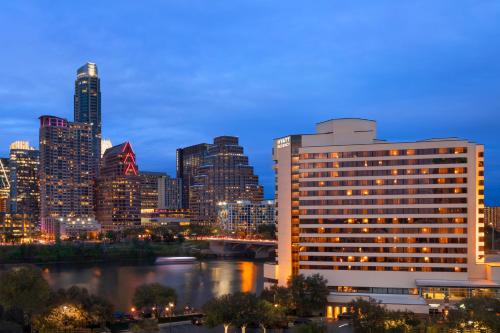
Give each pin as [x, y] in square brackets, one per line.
[228, 247]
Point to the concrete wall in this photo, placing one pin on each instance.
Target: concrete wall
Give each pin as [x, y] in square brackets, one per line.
[282, 154]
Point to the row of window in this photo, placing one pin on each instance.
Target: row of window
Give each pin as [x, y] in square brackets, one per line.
[383, 211]
[374, 290]
[457, 293]
[394, 172]
[382, 240]
[391, 152]
[405, 201]
[384, 268]
[380, 163]
[398, 191]
[408, 220]
[379, 182]
[384, 230]
[438, 250]
[366, 259]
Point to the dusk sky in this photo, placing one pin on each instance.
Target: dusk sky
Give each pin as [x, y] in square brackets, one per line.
[177, 73]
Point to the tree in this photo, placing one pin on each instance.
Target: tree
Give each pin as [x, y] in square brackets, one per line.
[240, 310]
[96, 310]
[24, 288]
[111, 235]
[269, 315]
[367, 314]
[74, 308]
[478, 312]
[153, 296]
[308, 294]
[60, 317]
[400, 320]
[219, 311]
[280, 296]
[245, 309]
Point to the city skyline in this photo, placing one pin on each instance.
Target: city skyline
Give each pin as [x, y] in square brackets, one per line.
[444, 80]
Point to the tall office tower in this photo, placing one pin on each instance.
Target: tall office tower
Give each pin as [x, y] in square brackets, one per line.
[4, 184]
[118, 189]
[401, 222]
[224, 175]
[87, 107]
[150, 183]
[492, 217]
[170, 192]
[187, 162]
[24, 187]
[66, 182]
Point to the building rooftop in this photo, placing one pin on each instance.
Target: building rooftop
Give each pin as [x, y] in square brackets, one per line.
[459, 283]
[115, 150]
[89, 69]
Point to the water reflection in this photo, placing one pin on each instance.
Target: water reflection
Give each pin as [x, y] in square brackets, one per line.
[195, 283]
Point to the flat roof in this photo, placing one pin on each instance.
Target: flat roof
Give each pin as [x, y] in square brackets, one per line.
[453, 283]
[347, 118]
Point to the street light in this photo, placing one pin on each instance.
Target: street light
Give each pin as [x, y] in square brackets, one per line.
[171, 308]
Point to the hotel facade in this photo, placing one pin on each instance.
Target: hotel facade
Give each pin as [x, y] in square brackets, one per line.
[401, 222]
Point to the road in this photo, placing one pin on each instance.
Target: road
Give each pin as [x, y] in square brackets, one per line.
[341, 326]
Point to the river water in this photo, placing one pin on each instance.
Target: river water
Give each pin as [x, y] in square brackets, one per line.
[195, 283]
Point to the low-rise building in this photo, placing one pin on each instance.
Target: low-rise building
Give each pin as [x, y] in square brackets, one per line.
[165, 217]
[73, 227]
[245, 216]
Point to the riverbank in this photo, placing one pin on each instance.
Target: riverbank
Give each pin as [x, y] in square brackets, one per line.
[195, 283]
[97, 252]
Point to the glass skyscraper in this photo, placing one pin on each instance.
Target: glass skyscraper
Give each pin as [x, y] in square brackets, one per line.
[223, 176]
[188, 160]
[88, 107]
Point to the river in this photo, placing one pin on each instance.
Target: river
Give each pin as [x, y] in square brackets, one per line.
[195, 283]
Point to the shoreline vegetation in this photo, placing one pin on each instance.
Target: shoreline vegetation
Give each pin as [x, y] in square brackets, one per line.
[85, 252]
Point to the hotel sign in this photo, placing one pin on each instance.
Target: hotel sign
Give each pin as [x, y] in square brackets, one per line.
[283, 142]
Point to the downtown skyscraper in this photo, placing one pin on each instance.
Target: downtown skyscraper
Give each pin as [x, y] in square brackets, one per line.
[188, 160]
[24, 201]
[87, 108]
[66, 178]
[119, 189]
[223, 176]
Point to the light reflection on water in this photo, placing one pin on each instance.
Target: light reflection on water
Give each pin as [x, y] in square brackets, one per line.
[195, 283]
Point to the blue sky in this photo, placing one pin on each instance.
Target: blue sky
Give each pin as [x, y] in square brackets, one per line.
[176, 73]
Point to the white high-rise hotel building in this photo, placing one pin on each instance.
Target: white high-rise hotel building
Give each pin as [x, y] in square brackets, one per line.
[401, 222]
